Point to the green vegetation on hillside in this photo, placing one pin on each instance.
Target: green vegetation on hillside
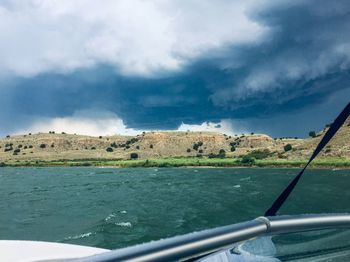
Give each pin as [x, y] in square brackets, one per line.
[187, 161]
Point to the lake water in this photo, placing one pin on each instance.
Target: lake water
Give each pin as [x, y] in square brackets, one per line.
[113, 208]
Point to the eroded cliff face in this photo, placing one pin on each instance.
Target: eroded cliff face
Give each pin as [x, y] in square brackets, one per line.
[166, 144]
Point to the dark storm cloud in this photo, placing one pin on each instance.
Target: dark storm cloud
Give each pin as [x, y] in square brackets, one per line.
[308, 43]
[294, 79]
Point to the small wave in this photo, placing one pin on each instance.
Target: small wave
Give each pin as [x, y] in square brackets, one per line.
[237, 186]
[79, 236]
[245, 178]
[124, 224]
[110, 216]
[113, 215]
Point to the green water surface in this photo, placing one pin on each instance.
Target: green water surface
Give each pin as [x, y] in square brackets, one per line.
[113, 208]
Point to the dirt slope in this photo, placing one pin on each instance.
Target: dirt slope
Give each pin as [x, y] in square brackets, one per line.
[165, 144]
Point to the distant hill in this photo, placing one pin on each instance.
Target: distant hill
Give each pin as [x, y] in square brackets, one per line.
[153, 145]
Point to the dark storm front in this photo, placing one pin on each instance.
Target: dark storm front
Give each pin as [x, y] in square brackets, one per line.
[114, 208]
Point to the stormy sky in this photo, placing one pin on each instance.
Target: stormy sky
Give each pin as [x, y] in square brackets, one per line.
[107, 67]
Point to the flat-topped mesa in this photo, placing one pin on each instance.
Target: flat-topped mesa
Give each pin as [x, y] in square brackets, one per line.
[190, 136]
[162, 144]
[55, 146]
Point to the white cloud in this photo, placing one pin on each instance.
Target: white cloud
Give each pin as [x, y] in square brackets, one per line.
[95, 123]
[136, 37]
[87, 122]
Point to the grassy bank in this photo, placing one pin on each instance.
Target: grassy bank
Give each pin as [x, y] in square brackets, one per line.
[188, 162]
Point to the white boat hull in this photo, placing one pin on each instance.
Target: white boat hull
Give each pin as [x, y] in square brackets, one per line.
[25, 251]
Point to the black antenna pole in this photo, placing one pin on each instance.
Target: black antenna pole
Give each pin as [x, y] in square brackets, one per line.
[338, 122]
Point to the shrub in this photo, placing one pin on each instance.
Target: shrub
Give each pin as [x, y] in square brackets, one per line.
[200, 151]
[63, 133]
[42, 146]
[93, 148]
[134, 155]
[132, 140]
[137, 147]
[222, 152]
[8, 136]
[8, 149]
[29, 134]
[247, 160]
[30, 146]
[211, 155]
[260, 154]
[150, 146]
[287, 147]
[52, 145]
[114, 144]
[312, 133]
[197, 145]
[127, 146]
[328, 150]
[25, 147]
[17, 150]
[109, 149]
[188, 150]
[100, 137]
[233, 149]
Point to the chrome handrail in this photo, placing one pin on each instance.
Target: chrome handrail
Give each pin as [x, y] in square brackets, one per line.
[208, 241]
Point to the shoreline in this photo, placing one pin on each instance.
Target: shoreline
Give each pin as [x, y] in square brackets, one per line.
[326, 163]
[188, 167]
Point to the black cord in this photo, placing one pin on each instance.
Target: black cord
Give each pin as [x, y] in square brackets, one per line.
[338, 122]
